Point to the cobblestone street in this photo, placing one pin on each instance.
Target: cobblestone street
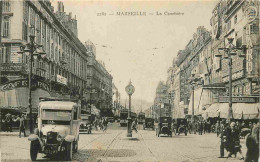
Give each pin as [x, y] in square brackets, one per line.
[113, 145]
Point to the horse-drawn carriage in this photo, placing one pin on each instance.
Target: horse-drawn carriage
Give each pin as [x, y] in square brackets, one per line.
[164, 126]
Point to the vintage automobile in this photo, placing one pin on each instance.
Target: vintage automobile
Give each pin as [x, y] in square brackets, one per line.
[57, 134]
[148, 123]
[182, 126]
[164, 126]
[85, 125]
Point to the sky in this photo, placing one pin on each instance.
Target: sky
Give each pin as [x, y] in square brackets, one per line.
[138, 48]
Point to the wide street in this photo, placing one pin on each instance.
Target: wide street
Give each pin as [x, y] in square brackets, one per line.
[113, 145]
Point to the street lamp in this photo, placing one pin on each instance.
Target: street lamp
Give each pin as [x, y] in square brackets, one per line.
[130, 89]
[91, 91]
[230, 51]
[33, 50]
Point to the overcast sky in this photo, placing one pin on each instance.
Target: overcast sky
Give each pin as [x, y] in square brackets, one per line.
[140, 48]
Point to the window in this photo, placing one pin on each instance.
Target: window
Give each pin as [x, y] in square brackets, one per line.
[229, 25]
[235, 19]
[6, 52]
[6, 27]
[6, 6]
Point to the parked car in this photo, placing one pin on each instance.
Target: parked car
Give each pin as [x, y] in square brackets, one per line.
[164, 126]
[58, 129]
[85, 125]
[148, 123]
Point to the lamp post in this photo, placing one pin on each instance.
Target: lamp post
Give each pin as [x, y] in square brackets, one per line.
[91, 91]
[229, 52]
[192, 115]
[33, 50]
[130, 89]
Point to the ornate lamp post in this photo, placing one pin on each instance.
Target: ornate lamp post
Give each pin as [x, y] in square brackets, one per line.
[230, 51]
[91, 91]
[33, 50]
[130, 89]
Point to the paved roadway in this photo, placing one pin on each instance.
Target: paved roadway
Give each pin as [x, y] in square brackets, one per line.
[113, 145]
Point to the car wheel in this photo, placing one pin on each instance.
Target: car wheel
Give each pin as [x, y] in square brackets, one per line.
[68, 151]
[34, 149]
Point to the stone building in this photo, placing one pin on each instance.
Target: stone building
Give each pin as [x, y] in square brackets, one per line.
[100, 79]
[63, 72]
[200, 81]
[161, 101]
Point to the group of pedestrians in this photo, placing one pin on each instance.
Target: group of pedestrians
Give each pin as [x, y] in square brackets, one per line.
[101, 123]
[230, 135]
[9, 120]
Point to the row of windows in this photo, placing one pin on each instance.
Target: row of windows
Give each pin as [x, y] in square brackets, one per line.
[54, 45]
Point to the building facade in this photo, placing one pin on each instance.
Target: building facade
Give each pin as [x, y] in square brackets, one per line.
[63, 72]
[101, 81]
[199, 80]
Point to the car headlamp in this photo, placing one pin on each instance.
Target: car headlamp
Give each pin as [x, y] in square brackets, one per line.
[59, 138]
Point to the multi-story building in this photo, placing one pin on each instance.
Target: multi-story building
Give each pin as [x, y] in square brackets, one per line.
[60, 72]
[161, 101]
[63, 72]
[209, 75]
[101, 81]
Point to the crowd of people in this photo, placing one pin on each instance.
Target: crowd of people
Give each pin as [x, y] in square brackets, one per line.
[101, 124]
[9, 120]
[230, 134]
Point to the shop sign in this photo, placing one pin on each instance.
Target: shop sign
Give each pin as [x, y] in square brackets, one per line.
[24, 83]
[236, 99]
[61, 79]
[11, 67]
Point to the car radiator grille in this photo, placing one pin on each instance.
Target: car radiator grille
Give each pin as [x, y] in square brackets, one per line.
[52, 138]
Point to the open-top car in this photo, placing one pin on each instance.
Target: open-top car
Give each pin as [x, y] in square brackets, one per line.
[149, 123]
[85, 125]
[164, 126]
[58, 129]
[182, 126]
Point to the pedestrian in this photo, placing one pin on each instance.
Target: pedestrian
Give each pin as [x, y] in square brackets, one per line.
[195, 127]
[105, 122]
[223, 139]
[21, 120]
[234, 141]
[134, 125]
[8, 119]
[217, 128]
[205, 125]
[200, 127]
[252, 144]
[96, 124]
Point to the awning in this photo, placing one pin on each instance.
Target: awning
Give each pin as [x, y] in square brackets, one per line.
[246, 110]
[223, 110]
[212, 111]
[94, 110]
[18, 97]
[240, 110]
[201, 100]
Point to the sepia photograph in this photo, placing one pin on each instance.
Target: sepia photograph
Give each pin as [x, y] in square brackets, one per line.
[129, 80]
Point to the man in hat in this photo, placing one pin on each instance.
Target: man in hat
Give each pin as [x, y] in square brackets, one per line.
[22, 124]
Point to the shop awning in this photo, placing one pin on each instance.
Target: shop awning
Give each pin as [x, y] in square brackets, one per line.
[19, 97]
[240, 110]
[201, 101]
[246, 110]
[212, 111]
[94, 110]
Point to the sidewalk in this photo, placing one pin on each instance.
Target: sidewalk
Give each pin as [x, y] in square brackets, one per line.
[15, 133]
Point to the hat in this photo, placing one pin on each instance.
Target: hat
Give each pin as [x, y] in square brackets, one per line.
[232, 124]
